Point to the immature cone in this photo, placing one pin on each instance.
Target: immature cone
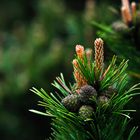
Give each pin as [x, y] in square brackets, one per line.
[86, 93]
[99, 55]
[126, 15]
[71, 102]
[79, 51]
[125, 3]
[120, 27]
[128, 12]
[80, 80]
[103, 100]
[86, 112]
[109, 92]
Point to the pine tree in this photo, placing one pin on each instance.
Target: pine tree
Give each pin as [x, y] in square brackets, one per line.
[93, 107]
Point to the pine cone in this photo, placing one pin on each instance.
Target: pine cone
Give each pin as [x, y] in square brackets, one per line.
[71, 102]
[109, 92]
[86, 112]
[120, 27]
[86, 92]
[103, 100]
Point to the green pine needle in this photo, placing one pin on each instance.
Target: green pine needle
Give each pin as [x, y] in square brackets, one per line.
[86, 68]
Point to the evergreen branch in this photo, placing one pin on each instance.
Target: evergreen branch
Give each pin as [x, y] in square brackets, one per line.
[103, 102]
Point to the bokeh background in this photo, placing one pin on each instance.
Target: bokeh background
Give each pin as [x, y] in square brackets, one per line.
[37, 40]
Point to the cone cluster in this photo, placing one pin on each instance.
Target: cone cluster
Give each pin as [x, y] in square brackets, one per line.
[86, 101]
[99, 61]
[86, 97]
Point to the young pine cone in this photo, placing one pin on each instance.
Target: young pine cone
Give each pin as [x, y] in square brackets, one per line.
[120, 27]
[103, 100]
[99, 55]
[71, 102]
[86, 93]
[109, 92]
[86, 112]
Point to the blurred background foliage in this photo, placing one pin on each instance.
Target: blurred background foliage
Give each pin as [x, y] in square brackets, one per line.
[37, 40]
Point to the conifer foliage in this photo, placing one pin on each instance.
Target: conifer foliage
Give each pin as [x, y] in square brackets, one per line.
[93, 107]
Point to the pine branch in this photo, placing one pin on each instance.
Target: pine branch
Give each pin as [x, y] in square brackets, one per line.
[89, 111]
